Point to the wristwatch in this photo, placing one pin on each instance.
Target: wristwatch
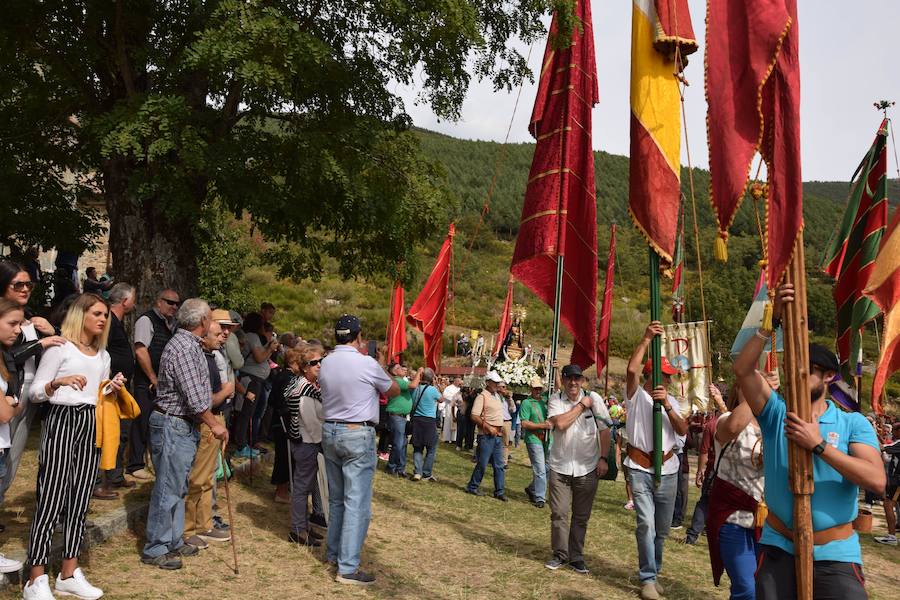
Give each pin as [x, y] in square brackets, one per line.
[819, 449]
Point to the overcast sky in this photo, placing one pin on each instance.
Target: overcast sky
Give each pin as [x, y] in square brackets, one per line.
[849, 58]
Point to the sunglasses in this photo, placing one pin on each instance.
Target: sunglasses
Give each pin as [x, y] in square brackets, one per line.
[171, 302]
[315, 362]
[22, 285]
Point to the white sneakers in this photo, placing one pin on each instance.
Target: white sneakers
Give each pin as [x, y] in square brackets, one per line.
[8, 565]
[76, 585]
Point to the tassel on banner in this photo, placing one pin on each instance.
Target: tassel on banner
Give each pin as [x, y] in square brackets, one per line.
[767, 316]
[721, 249]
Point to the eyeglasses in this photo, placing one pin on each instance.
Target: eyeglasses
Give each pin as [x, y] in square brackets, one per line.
[315, 362]
[22, 285]
[171, 302]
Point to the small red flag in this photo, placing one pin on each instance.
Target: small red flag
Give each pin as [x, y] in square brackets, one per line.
[505, 318]
[559, 215]
[606, 311]
[396, 331]
[753, 92]
[428, 311]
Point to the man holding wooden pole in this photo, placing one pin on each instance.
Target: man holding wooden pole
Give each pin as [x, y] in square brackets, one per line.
[845, 456]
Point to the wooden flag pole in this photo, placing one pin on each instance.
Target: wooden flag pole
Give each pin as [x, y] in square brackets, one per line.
[655, 355]
[557, 309]
[796, 368]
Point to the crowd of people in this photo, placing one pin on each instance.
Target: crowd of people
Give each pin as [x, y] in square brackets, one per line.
[199, 386]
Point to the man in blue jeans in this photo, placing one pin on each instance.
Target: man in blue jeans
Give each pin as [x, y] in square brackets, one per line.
[183, 400]
[533, 415]
[398, 409]
[351, 382]
[487, 414]
[653, 505]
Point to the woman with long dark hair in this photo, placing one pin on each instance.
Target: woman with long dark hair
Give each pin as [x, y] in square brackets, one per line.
[69, 378]
[257, 352]
[11, 317]
[36, 335]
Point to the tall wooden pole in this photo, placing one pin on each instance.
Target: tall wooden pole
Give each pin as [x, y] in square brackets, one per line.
[796, 368]
[557, 309]
[655, 355]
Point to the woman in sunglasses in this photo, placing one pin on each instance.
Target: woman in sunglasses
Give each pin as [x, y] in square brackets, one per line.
[304, 406]
[36, 336]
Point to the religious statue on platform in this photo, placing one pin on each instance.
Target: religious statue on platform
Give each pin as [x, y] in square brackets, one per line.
[513, 348]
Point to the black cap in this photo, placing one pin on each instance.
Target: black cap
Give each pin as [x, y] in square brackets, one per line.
[821, 356]
[572, 371]
[347, 325]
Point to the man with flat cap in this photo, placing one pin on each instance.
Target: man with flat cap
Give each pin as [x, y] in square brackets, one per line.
[576, 461]
[846, 456]
[653, 505]
[351, 382]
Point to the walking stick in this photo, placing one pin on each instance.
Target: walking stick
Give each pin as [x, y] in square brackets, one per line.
[287, 442]
[230, 513]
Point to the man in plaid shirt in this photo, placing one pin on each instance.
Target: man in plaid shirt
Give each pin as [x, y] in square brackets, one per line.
[183, 400]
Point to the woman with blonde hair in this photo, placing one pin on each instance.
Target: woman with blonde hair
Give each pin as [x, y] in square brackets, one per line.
[11, 318]
[69, 378]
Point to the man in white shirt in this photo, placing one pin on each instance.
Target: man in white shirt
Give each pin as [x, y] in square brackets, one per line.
[653, 505]
[451, 395]
[577, 460]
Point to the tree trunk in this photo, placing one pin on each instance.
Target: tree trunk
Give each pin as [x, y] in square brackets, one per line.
[149, 251]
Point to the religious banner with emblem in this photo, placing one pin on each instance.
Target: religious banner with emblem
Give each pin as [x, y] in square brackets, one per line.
[685, 345]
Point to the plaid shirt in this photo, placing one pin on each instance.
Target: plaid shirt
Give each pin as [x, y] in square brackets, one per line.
[184, 388]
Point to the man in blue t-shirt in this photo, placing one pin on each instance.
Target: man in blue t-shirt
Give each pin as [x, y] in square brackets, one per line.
[845, 456]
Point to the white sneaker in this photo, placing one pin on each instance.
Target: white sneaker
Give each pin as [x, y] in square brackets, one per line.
[8, 565]
[890, 540]
[77, 585]
[39, 589]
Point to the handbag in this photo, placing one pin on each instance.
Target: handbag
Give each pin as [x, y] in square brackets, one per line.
[413, 411]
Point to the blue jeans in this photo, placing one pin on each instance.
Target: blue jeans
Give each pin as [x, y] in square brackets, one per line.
[430, 455]
[737, 547]
[350, 465]
[173, 444]
[397, 460]
[259, 409]
[653, 508]
[538, 485]
[490, 449]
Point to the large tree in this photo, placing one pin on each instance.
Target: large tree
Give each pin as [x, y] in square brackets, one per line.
[284, 111]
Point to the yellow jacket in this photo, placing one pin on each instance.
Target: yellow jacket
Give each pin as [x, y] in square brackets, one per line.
[111, 408]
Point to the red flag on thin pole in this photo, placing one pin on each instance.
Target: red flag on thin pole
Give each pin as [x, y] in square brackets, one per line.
[559, 215]
[396, 331]
[606, 311]
[505, 318]
[753, 92]
[428, 311]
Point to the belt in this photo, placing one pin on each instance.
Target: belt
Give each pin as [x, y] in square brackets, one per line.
[356, 423]
[820, 538]
[187, 420]
[643, 459]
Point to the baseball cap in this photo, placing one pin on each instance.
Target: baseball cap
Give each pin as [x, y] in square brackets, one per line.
[664, 364]
[223, 317]
[821, 356]
[572, 371]
[493, 376]
[347, 325]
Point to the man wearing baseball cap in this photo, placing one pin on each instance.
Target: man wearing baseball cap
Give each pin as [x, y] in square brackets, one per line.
[533, 416]
[846, 456]
[351, 382]
[487, 414]
[653, 505]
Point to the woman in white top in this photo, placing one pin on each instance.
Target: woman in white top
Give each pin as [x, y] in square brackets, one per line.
[69, 378]
[304, 406]
[11, 317]
[736, 492]
[36, 336]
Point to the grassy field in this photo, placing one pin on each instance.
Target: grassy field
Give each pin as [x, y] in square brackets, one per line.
[431, 541]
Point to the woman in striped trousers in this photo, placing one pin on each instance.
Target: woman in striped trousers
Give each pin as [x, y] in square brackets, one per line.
[69, 378]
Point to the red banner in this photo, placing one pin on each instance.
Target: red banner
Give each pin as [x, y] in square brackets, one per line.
[505, 319]
[606, 311]
[559, 215]
[753, 92]
[396, 331]
[428, 311]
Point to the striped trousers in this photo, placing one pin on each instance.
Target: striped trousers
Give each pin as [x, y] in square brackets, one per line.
[67, 465]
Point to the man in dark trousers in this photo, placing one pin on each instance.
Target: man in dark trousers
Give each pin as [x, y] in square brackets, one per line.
[846, 456]
[152, 331]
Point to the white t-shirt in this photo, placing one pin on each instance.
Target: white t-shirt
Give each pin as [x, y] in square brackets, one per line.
[639, 429]
[575, 451]
[5, 438]
[742, 466]
[61, 361]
